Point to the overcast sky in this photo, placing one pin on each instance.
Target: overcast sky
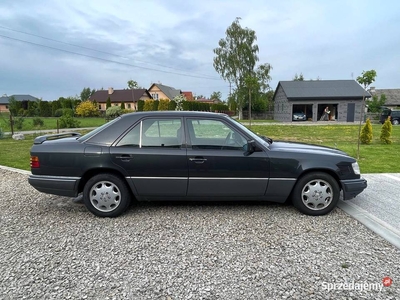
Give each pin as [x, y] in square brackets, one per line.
[55, 48]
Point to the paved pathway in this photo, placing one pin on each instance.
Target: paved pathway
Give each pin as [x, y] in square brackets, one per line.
[378, 207]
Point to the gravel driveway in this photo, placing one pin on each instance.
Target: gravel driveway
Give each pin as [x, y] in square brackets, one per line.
[52, 248]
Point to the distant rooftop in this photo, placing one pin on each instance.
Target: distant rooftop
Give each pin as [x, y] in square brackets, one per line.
[323, 89]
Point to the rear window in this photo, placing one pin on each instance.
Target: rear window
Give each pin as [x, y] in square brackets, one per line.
[386, 112]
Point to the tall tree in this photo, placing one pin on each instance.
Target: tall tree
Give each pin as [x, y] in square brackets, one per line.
[86, 93]
[365, 79]
[14, 106]
[236, 57]
[298, 77]
[216, 96]
[375, 105]
[252, 84]
[132, 84]
[108, 103]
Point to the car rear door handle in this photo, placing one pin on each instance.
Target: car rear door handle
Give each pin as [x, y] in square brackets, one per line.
[198, 160]
[124, 157]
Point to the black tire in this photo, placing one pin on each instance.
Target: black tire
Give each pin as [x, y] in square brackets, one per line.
[316, 194]
[395, 122]
[106, 195]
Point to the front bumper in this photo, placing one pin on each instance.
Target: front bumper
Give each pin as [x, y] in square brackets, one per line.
[353, 187]
[56, 185]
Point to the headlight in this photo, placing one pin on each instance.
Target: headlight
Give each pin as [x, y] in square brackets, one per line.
[356, 168]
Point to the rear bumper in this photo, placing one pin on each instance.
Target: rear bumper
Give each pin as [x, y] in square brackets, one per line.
[353, 187]
[56, 185]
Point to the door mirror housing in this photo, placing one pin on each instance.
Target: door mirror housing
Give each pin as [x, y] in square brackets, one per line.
[250, 147]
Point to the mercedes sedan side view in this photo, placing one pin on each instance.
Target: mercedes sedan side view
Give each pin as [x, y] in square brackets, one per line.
[189, 156]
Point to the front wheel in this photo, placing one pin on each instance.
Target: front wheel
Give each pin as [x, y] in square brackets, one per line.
[316, 194]
[395, 122]
[106, 195]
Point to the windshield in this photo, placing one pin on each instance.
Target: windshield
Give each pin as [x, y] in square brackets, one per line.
[264, 141]
[98, 129]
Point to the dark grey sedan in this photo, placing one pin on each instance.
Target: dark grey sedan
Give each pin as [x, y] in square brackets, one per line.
[189, 156]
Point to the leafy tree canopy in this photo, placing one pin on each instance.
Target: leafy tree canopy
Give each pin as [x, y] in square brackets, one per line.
[132, 84]
[235, 60]
[298, 77]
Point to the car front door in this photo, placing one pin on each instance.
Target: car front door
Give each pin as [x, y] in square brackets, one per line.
[218, 166]
[153, 156]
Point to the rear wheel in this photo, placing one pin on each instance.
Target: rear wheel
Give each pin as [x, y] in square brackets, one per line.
[316, 194]
[106, 195]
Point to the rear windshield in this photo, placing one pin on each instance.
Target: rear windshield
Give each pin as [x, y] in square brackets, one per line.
[98, 129]
[386, 112]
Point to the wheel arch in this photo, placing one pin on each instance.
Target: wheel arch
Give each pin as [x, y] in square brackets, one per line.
[316, 170]
[92, 172]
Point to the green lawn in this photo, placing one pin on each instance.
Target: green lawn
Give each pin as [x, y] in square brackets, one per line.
[49, 123]
[374, 158]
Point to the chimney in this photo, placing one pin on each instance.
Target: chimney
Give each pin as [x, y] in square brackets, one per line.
[372, 89]
[110, 90]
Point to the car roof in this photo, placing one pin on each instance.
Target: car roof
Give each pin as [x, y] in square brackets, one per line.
[173, 113]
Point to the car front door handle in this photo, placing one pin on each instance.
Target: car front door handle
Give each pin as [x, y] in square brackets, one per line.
[198, 160]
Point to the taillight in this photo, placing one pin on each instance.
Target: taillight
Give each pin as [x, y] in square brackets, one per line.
[35, 162]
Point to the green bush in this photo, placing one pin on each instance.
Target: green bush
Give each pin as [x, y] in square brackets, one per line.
[163, 104]
[67, 120]
[37, 122]
[22, 112]
[219, 107]
[19, 123]
[155, 105]
[122, 105]
[171, 105]
[386, 132]
[63, 111]
[140, 105]
[148, 105]
[366, 133]
[113, 112]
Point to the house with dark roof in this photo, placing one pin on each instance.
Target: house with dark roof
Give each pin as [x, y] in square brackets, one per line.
[392, 96]
[5, 101]
[159, 91]
[129, 97]
[344, 99]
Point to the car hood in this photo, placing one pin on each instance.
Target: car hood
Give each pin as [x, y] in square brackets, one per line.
[305, 148]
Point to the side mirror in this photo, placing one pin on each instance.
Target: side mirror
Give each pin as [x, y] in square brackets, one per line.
[249, 148]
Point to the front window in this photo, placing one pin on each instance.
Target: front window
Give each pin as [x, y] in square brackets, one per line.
[155, 96]
[214, 134]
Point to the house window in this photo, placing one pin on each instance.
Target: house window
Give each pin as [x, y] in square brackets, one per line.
[6, 106]
[129, 105]
[99, 106]
[155, 96]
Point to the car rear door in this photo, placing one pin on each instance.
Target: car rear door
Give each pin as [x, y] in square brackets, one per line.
[217, 164]
[153, 157]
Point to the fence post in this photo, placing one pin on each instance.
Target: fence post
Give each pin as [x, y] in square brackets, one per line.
[57, 127]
